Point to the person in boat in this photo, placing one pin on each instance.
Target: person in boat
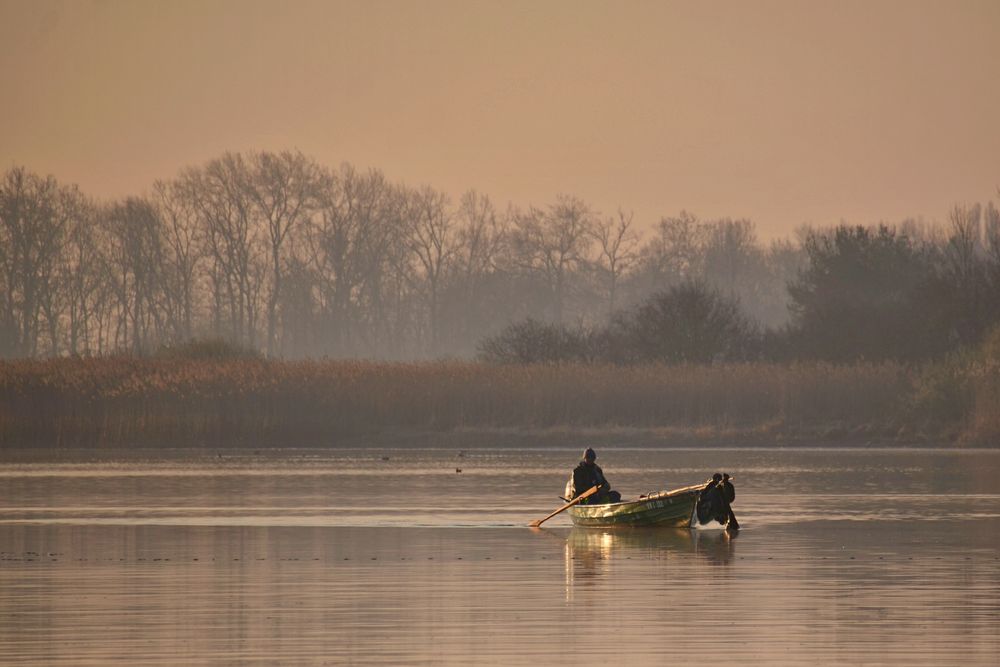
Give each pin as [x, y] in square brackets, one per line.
[588, 474]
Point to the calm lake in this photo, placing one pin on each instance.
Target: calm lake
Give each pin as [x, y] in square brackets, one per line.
[391, 557]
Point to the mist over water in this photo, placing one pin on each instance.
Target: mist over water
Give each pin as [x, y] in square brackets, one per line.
[846, 556]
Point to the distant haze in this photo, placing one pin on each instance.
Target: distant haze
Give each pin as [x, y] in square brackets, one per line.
[783, 112]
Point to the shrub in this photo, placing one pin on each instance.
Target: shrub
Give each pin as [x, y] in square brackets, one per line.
[963, 389]
[531, 342]
[690, 323]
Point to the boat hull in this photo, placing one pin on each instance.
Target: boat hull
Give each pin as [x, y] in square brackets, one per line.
[672, 509]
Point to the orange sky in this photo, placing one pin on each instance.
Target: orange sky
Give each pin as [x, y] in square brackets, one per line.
[784, 112]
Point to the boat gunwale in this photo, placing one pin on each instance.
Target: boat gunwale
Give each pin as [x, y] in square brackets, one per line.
[661, 495]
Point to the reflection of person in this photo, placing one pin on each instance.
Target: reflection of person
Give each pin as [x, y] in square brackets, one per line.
[588, 474]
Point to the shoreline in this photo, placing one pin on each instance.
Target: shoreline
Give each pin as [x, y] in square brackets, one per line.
[473, 440]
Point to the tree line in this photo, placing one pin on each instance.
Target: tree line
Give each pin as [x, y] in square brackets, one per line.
[276, 253]
[879, 293]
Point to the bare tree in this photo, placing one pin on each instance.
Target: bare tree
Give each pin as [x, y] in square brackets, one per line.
[482, 236]
[135, 253]
[431, 238]
[964, 257]
[731, 254]
[73, 212]
[482, 239]
[618, 244]
[284, 189]
[234, 243]
[358, 241]
[554, 243]
[991, 227]
[676, 251]
[84, 281]
[351, 211]
[332, 243]
[184, 250]
[965, 241]
[396, 308]
[33, 225]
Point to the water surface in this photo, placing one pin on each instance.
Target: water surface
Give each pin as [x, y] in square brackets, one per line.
[846, 556]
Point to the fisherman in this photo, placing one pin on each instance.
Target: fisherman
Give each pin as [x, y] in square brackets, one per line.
[587, 475]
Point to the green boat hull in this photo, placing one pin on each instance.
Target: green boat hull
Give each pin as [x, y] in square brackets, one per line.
[673, 509]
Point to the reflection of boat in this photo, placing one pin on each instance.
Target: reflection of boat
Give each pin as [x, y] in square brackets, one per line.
[666, 508]
[591, 554]
[602, 543]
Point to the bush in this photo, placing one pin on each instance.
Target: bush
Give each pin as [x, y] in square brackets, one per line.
[690, 323]
[943, 391]
[962, 389]
[531, 342]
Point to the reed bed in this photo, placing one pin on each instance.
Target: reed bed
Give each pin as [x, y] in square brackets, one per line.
[983, 391]
[181, 402]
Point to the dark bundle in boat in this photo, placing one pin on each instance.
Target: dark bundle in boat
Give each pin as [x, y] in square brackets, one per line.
[715, 502]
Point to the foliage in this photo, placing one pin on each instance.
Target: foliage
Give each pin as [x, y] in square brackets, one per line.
[944, 391]
[860, 297]
[690, 323]
[962, 389]
[531, 341]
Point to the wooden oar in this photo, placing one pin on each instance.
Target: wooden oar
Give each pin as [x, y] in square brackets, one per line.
[586, 494]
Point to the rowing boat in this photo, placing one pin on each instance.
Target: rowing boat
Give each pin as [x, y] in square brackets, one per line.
[667, 508]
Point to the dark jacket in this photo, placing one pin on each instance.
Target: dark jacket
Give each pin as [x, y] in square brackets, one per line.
[586, 475]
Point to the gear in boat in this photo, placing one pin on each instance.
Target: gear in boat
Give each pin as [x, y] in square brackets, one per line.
[715, 502]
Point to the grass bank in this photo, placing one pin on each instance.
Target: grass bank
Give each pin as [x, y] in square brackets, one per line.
[124, 402]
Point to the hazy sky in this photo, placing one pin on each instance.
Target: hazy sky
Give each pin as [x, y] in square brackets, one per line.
[784, 112]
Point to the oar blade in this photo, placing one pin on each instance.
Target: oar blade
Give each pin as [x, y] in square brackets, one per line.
[586, 494]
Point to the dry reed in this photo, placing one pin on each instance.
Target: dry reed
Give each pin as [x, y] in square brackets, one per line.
[132, 402]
